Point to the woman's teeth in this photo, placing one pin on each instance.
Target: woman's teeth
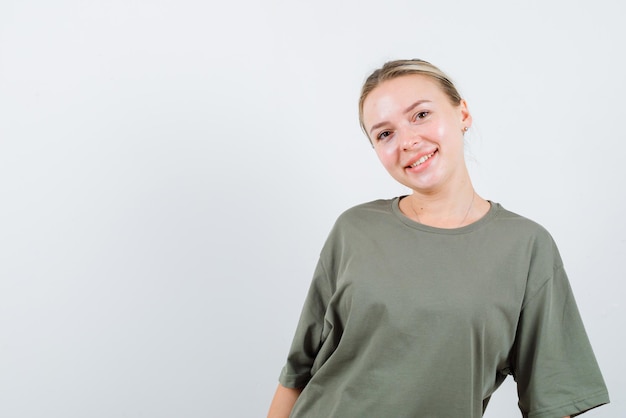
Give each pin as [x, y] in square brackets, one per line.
[421, 160]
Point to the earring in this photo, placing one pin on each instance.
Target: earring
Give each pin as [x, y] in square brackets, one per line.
[466, 129]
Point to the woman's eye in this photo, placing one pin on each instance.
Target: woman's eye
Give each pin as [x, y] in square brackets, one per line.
[421, 115]
[383, 135]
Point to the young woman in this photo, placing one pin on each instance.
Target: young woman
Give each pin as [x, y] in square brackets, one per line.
[421, 305]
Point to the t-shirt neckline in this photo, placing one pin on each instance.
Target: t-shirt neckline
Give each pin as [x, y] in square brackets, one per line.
[395, 207]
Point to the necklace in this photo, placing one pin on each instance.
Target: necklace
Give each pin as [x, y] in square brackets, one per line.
[462, 220]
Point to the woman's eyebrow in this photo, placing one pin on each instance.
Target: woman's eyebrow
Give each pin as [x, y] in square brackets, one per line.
[378, 125]
[414, 105]
[407, 110]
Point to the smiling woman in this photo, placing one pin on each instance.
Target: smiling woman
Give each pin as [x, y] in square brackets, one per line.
[423, 304]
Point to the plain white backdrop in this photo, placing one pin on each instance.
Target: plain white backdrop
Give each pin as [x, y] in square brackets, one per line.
[170, 169]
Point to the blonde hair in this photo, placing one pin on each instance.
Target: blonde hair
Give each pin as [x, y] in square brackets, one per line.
[398, 68]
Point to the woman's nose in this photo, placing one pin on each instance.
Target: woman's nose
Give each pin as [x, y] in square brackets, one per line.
[409, 139]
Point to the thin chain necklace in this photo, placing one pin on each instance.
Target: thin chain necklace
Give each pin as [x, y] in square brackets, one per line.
[464, 218]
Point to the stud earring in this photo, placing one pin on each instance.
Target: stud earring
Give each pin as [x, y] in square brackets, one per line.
[465, 129]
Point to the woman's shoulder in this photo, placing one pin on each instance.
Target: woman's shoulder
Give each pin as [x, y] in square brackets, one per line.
[359, 223]
[514, 226]
[367, 210]
[363, 217]
[514, 220]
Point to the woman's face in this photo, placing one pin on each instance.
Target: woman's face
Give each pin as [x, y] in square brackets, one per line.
[416, 132]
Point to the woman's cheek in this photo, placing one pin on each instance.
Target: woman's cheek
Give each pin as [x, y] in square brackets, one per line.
[386, 155]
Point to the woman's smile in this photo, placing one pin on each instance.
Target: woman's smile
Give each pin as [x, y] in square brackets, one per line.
[419, 163]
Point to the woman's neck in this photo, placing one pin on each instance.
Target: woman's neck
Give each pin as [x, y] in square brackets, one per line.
[451, 208]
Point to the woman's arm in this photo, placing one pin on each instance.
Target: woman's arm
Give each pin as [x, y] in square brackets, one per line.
[283, 402]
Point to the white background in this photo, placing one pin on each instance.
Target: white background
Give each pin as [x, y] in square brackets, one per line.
[170, 169]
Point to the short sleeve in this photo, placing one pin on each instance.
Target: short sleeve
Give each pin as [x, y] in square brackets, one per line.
[553, 362]
[308, 337]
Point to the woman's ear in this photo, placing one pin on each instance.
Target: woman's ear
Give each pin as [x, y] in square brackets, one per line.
[466, 116]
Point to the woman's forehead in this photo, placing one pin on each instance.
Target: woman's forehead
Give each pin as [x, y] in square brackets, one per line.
[406, 85]
[398, 93]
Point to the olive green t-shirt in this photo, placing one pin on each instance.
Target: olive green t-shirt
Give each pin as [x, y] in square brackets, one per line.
[406, 320]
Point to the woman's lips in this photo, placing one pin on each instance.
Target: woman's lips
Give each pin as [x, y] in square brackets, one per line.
[422, 160]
